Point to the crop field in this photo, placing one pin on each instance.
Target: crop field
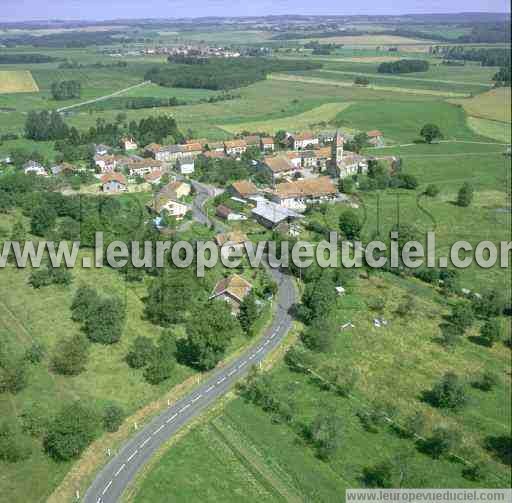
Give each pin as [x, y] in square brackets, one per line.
[493, 105]
[17, 81]
[500, 131]
[371, 40]
[311, 119]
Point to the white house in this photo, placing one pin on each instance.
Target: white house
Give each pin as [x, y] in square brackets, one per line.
[128, 144]
[303, 140]
[297, 195]
[186, 165]
[34, 168]
[113, 182]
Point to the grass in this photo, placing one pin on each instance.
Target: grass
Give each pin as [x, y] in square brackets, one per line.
[500, 131]
[401, 121]
[306, 120]
[493, 105]
[371, 40]
[12, 81]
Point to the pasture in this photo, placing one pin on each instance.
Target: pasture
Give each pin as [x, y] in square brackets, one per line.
[17, 81]
[493, 105]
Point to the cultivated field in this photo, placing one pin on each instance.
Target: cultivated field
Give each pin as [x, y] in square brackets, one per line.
[494, 105]
[17, 81]
[371, 40]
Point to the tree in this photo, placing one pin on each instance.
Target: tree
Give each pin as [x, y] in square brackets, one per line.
[379, 475]
[209, 334]
[450, 334]
[13, 375]
[432, 190]
[448, 393]
[501, 447]
[14, 446]
[84, 300]
[35, 353]
[71, 431]
[465, 195]
[280, 138]
[248, 312]
[320, 336]
[491, 303]
[415, 425]
[441, 441]
[462, 316]
[141, 352]
[105, 323]
[486, 381]
[350, 225]
[43, 220]
[491, 332]
[347, 185]
[361, 81]
[159, 368]
[71, 354]
[325, 433]
[431, 132]
[113, 417]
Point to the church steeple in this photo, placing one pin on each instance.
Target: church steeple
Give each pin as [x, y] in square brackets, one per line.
[337, 149]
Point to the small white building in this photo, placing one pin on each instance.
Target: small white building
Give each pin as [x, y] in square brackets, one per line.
[34, 168]
[129, 144]
[186, 165]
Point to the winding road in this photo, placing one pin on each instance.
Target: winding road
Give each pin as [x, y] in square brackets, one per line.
[114, 478]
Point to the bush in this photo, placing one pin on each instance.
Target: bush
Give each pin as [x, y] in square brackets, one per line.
[113, 417]
[441, 441]
[485, 381]
[141, 351]
[13, 375]
[105, 322]
[491, 332]
[14, 446]
[448, 393]
[71, 354]
[432, 190]
[35, 353]
[465, 195]
[379, 475]
[71, 431]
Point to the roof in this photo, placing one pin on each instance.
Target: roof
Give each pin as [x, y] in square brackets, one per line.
[252, 140]
[186, 160]
[292, 155]
[153, 147]
[153, 176]
[200, 141]
[310, 187]
[375, 133]
[236, 237]
[277, 164]
[245, 187]
[273, 212]
[235, 144]
[192, 147]
[267, 140]
[306, 135]
[113, 177]
[145, 163]
[223, 211]
[163, 198]
[214, 154]
[215, 144]
[235, 285]
[171, 188]
[128, 139]
[323, 152]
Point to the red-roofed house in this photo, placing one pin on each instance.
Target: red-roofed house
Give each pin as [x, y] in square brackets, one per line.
[113, 182]
[233, 290]
[375, 137]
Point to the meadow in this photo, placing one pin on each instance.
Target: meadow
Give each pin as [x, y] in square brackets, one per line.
[17, 82]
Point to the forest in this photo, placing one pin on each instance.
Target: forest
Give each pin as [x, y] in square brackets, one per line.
[404, 66]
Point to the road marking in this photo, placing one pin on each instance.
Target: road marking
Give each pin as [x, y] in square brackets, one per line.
[210, 388]
[232, 372]
[132, 455]
[171, 418]
[266, 342]
[98, 500]
[145, 442]
[259, 350]
[221, 380]
[184, 408]
[107, 487]
[158, 430]
[121, 468]
[242, 364]
[196, 398]
[252, 356]
[272, 336]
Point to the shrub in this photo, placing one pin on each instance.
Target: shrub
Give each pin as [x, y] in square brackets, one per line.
[113, 417]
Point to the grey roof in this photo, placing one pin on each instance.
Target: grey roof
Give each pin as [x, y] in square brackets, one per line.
[273, 212]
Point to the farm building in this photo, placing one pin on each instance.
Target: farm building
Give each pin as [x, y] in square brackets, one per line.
[233, 290]
[243, 189]
[270, 214]
[297, 195]
[113, 183]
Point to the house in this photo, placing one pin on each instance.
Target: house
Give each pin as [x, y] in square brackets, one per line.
[101, 149]
[214, 154]
[308, 159]
[168, 201]
[326, 136]
[191, 149]
[144, 167]
[243, 189]
[180, 189]
[233, 290]
[186, 165]
[294, 159]
[270, 214]
[267, 144]
[302, 140]
[34, 168]
[106, 163]
[375, 138]
[298, 194]
[344, 163]
[63, 169]
[152, 150]
[278, 166]
[128, 143]
[253, 141]
[201, 141]
[236, 238]
[113, 183]
[235, 147]
[216, 146]
[228, 214]
[154, 177]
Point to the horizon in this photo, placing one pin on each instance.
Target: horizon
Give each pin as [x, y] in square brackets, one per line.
[73, 11]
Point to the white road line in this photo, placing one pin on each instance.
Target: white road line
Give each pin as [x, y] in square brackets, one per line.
[107, 487]
[121, 468]
[98, 500]
[266, 342]
[272, 336]
[242, 364]
[171, 418]
[232, 372]
[158, 430]
[132, 455]
[196, 398]
[145, 442]
[259, 350]
[210, 388]
[221, 380]
[252, 356]
[184, 408]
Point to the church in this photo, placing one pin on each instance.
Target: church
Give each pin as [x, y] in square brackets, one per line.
[343, 162]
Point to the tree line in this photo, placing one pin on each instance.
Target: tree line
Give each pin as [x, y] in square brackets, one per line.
[223, 74]
[404, 66]
[66, 90]
[487, 56]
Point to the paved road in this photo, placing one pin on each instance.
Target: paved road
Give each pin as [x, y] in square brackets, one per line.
[113, 479]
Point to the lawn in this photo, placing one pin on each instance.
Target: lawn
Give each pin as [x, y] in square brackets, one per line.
[13, 81]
